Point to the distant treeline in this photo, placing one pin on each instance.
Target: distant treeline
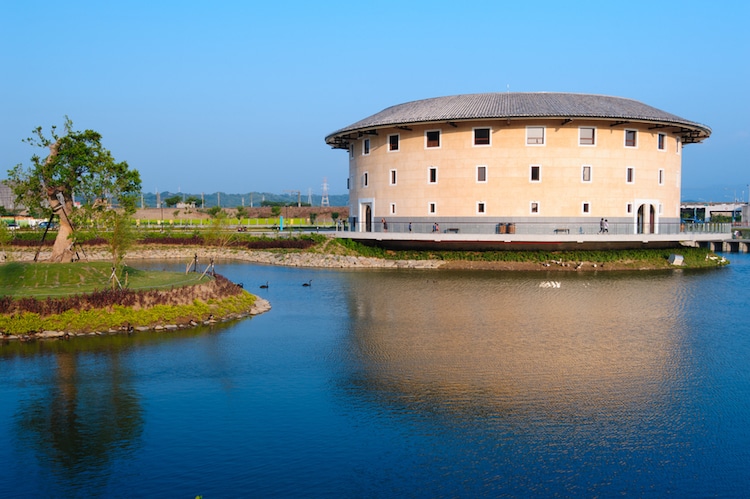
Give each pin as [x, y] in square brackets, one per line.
[251, 199]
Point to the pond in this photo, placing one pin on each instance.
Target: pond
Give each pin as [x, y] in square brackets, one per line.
[384, 383]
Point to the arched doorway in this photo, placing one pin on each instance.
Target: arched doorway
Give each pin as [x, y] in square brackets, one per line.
[639, 224]
[646, 223]
[368, 218]
[652, 219]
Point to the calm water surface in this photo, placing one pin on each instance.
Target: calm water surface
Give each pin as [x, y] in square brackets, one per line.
[401, 384]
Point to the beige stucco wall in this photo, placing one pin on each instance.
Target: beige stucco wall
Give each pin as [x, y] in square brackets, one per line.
[508, 191]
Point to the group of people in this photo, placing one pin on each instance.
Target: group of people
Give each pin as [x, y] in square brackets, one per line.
[603, 226]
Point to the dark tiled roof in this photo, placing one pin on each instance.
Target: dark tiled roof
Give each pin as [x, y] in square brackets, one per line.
[502, 105]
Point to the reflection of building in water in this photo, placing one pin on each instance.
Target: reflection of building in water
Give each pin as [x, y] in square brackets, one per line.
[468, 338]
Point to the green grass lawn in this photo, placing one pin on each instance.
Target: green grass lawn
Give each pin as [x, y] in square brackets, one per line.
[40, 280]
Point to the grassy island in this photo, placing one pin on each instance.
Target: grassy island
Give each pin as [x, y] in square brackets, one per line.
[81, 298]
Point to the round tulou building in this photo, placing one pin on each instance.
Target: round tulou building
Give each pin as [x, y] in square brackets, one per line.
[517, 163]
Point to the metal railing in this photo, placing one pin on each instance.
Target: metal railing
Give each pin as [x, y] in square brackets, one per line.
[541, 228]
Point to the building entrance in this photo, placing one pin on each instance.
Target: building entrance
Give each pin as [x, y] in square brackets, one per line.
[646, 219]
[368, 218]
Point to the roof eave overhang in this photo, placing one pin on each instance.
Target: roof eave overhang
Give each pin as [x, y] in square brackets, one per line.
[689, 133]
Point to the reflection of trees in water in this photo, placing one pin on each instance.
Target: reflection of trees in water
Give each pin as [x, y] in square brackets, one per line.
[85, 421]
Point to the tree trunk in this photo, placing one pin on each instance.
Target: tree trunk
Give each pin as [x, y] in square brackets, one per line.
[62, 250]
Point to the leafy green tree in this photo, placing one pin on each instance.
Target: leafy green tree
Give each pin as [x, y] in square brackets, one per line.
[217, 235]
[118, 232]
[241, 212]
[78, 164]
[313, 217]
[172, 201]
[113, 224]
[215, 212]
[276, 210]
[192, 200]
[720, 219]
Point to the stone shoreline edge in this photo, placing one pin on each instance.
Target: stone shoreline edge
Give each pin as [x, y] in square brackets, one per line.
[309, 259]
[287, 258]
[260, 306]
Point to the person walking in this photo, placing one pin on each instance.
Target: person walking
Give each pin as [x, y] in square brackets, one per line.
[601, 226]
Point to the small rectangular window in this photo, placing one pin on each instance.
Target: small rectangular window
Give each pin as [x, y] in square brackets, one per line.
[629, 208]
[678, 146]
[393, 142]
[393, 208]
[351, 151]
[630, 175]
[393, 177]
[534, 207]
[586, 207]
[365, 147]
[481, 136]
[482, 173]
[348, 183]
[365, 179]
[587, 136]
[535, 135]
[480, 207]
[661, 176]
[586, 173]
[432, 208]
[432, 178]
[432, 138]
[631, 138]
[661, 141]
[536, 173]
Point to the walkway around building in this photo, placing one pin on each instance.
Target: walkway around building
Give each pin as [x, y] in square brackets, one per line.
[540, 236]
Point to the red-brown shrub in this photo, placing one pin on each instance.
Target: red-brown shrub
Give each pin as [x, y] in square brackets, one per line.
[219, 287]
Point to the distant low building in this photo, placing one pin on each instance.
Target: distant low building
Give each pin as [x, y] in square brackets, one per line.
[8, 199]
[481, 161]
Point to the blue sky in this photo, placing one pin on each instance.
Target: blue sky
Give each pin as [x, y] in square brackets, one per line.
[234, 96]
